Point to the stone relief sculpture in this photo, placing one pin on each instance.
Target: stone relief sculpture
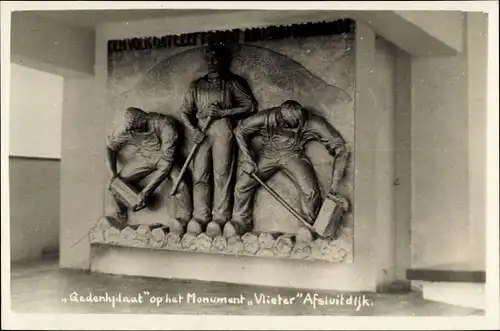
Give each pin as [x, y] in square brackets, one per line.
[220, 111]
[210, 108]
[286, 130]
[156, 137]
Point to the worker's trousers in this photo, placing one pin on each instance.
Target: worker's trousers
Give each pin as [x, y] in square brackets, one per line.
[297, 167]
[214, 163]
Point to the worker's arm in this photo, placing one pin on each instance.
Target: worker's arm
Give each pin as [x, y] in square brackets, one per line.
[325, 133]
[115, 142]
[169, 137]
[244, 133]
[243, 98]
[167, 133]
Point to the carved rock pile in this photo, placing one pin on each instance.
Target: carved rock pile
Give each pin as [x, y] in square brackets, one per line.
[250, 244]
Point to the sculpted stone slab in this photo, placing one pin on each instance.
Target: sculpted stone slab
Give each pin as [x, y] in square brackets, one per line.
[239, 149]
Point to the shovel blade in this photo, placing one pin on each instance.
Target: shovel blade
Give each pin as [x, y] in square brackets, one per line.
[124, 192]
[329, 218]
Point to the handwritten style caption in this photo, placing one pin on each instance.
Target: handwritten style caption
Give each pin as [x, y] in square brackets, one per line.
[256, 299]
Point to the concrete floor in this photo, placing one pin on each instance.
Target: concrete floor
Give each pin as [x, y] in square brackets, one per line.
[40, 287]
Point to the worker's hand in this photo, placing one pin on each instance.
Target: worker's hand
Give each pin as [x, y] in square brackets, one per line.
[214, 110]
[141, 201]
[248, 166]
[339, 200]
[198, 136]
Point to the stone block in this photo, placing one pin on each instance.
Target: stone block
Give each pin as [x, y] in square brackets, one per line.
[143, 235]
[250, 243]
[128, 236]
[301, 250]
[283, 246]
[219, 245]
[112, 236]
[203, 243]
[234, 245]
[188, 242]
[96, 236]
[266, 245]
[173, 241]
[157, 239]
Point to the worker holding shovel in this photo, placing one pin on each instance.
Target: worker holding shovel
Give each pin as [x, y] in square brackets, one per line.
[211, 106]
[286, 130]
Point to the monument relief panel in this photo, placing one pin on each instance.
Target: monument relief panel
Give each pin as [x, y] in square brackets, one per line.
[233, 142]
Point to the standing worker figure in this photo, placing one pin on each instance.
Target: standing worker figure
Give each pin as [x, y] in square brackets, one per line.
[286, 130]
[220, 97]
[156, 138]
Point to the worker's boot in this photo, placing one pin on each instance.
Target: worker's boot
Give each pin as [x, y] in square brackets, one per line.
[234, 229]
[213, 229]
[194, 227]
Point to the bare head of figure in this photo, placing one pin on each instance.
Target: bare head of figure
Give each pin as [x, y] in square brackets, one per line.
[218, 59]
[292, 114]
[135, 119]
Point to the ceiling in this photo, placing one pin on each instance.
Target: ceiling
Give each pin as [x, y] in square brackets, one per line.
[91, 18]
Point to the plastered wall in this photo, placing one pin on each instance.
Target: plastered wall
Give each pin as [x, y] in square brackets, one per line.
[35, 113]
[440, 211]
[34, 163]
[34, 207]
[448, 152]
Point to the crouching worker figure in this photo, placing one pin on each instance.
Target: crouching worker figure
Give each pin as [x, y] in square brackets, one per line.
[155, 136]
[286, 131]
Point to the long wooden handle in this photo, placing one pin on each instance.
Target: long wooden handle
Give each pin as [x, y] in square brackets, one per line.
[189, 158]
[283, 202]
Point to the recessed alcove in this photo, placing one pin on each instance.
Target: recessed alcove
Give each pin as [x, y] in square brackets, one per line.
[405, 193]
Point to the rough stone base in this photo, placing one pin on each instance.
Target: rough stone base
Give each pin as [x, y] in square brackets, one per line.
[270, 245]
